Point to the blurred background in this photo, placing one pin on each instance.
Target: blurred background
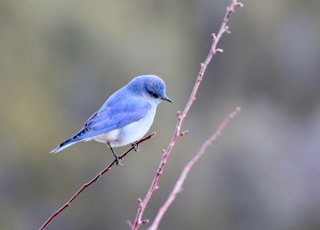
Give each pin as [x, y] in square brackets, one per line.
[60, 60]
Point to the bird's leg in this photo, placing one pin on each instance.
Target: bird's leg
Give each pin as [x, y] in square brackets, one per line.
[115, 154]
[135, 146]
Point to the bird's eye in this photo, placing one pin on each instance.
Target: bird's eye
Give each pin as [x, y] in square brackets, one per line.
[154, 95]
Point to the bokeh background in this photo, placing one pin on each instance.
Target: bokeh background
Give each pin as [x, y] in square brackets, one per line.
[59, 61]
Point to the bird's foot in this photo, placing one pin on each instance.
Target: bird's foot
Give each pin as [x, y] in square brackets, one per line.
[116, 156]
[135, 146]
[118, 160]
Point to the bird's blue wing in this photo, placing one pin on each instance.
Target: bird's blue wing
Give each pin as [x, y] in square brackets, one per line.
[118, 111]
[115, 114]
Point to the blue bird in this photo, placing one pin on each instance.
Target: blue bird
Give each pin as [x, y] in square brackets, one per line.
[125, 117]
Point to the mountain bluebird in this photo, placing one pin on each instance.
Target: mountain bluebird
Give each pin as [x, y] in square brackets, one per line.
[125, 117]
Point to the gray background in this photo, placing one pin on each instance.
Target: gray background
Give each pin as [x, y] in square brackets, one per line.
[59, 61]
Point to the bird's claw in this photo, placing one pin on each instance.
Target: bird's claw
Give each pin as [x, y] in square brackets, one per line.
[118, 160]
[135, 146]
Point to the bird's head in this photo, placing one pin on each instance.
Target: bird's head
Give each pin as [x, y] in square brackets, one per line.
[152, 86]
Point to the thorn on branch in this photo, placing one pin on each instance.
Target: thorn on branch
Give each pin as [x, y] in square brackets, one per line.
[213, 36]
[183, 133]
[218, 50]
[145, 221]
[179, 114]
[226, 29]
[236, 3]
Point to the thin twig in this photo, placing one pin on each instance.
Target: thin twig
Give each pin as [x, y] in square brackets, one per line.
[86, 185]
[178, 186]
[181, 116]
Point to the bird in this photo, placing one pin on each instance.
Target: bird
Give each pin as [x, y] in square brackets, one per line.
[125, 117]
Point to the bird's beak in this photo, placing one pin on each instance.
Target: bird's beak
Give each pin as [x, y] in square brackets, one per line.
[166, 99]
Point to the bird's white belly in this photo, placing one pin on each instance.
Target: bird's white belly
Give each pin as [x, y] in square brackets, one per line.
[129, 133]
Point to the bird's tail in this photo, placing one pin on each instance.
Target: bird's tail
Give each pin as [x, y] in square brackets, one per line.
[66, 144]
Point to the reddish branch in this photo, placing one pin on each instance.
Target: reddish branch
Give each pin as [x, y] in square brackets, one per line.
[167, 152]
[178, 186]
[181, 116]
[86, 185]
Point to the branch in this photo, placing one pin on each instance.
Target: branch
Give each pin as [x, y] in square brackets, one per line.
[178, 186]
[181, 116]
[86, 185]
